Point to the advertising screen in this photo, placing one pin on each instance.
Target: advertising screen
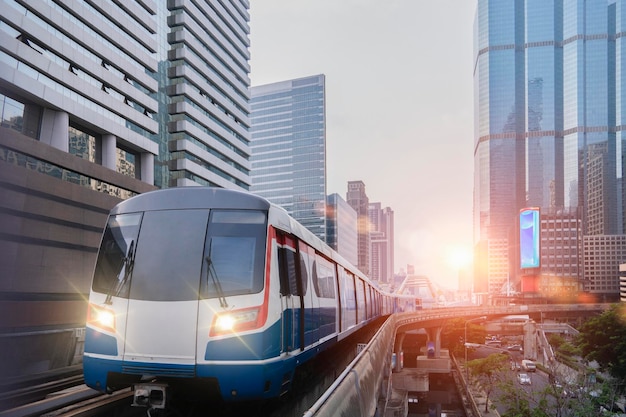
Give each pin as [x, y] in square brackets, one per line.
[529, 227]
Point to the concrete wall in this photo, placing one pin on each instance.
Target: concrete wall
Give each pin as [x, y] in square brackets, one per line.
[50, 229]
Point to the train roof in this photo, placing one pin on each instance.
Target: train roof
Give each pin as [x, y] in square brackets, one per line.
[192, 197]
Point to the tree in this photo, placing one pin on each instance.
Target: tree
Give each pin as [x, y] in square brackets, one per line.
[603, 339]
[489, 371]
[516, 399]
[452, 335]
[454, 331]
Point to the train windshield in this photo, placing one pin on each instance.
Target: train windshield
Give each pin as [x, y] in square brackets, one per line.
[120, 235]
[234, 254]
[169, 250]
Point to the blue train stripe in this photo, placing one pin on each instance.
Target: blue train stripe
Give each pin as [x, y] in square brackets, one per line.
[100, 343]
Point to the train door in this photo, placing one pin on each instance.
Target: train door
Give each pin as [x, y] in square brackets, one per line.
[361, 314]
[311, 309]
[324, 284]
[163, 300]
[348, 300]
[290, 291]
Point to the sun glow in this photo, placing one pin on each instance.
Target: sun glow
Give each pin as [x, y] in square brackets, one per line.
[459, 257]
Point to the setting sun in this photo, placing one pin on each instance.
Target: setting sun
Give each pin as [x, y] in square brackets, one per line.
[459, 257]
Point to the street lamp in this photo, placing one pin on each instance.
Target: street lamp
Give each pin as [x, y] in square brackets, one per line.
[467, 344]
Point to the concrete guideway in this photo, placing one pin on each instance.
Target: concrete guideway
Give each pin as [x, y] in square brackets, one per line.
[365, 388]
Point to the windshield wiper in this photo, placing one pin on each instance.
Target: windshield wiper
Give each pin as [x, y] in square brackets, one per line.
[215, 279]
[126, 269]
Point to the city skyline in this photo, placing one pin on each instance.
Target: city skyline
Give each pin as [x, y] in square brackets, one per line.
[399, 111]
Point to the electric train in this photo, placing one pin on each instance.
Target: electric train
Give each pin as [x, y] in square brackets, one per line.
[218, 289]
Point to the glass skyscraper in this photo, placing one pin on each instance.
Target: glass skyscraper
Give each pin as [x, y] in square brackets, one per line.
[341, 228]
[549, 112]
[381, 224]
[357, 198]
[288, 148]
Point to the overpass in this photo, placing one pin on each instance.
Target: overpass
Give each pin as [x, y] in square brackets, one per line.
[421, 287]
[365, 387]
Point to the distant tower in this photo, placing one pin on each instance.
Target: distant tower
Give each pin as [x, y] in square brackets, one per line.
[341, 226]
[381, 236]
[357, 199]
[288, 148]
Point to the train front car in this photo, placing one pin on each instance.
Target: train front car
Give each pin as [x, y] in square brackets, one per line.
[181, 295]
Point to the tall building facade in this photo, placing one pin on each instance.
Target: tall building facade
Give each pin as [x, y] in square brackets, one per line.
[358, 200]
[382, 243]
[100, 101]
[203, 57]
[549, 80]
[288, 148]
[342, 228]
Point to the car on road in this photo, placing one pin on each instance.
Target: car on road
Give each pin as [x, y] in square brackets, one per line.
[524, 379]
[529, 366]
[517, 348]
[563, 391]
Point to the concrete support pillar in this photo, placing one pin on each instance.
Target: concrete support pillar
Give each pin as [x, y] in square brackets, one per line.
[398, 350]
[147, 167]
[434, 335]
[530, 340]
[109, 154]
[55, 127]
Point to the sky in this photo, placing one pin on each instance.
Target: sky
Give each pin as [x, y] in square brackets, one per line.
[399, 109]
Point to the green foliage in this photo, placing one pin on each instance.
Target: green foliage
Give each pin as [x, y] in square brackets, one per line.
[561, 345]
[453, 334]
[603, 339]
[556, 340]
[489, 371]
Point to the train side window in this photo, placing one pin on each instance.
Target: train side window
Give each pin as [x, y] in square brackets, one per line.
[287, 271]
[324, 278]
[368, 301]
[287, 265]
[304, 270]
[360, 300]
[348, 301]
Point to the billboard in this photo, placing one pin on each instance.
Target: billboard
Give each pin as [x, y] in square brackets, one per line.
[529, 237]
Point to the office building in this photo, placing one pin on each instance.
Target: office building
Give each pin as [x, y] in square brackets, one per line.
[100, 101]
[382, 245]
[205, 71]
[602, 257]
[549, 116]
[341, 228]
[622, 282]
[288, 148]
[358, 200]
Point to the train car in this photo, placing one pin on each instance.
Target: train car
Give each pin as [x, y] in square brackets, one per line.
[218, 290]
[404, 303]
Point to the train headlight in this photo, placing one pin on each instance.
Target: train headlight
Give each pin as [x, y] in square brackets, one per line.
[101, 317]
[225, 322]
[235, 321]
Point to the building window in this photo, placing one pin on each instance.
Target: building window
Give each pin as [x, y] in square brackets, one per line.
[84, 145]
[127, 162]
[24, 118]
